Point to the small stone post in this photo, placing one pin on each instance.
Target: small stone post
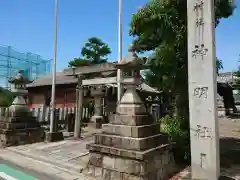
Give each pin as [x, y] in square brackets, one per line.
[203, 90]
[98, 93]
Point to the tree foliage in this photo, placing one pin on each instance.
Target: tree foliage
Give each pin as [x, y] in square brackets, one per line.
[237, 79]
[6, 97]
[78, 62]
[161, 26]
[94, 51]
[219, 65]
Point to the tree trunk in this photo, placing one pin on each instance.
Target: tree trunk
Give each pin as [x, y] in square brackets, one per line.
[182, 104]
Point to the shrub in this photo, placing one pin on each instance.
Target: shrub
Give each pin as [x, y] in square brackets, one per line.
[6, 97]
[178, 133]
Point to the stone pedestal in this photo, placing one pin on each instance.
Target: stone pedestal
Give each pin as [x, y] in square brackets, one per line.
[54, 136]
[130, 147]
[18, 130]
[70, 122]
[97, 121]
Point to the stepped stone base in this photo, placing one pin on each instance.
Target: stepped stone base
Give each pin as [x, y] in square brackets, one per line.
[158, 165]
[133, 120]
[130, 147]
[19, 131]
[131, 131]
[140, 155]
[129, 142]
[123, 152]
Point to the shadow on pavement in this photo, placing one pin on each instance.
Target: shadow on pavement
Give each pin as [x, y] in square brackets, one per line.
[229, 161]
[229, 151]
[225, 178]
[230, 158]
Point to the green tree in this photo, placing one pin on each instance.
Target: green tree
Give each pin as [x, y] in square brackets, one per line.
[94, 51]
[237, 80]
[219, 65]
[161, 26]
[78, 62]
[6, 97]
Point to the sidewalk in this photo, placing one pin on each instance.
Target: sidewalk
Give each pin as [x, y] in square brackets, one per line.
[69, 154]
[65, 159]
[41, 167]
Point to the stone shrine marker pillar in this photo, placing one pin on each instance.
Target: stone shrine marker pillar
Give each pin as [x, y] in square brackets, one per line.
[203, 90]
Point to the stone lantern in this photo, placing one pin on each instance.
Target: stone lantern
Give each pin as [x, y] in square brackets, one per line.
[131, 65]
[131, 145]
[19, 105]
[18, 126]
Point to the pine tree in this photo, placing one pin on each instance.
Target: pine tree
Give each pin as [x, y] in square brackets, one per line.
[94, 51]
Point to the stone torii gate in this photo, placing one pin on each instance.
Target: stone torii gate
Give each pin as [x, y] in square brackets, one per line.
[81, 83]
[99, 68]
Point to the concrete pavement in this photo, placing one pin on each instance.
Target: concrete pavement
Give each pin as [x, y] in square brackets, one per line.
[42, 168]
[10, 171]
[70, 154]
[64, 160]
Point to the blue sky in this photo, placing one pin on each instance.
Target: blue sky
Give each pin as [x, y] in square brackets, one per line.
[28, 26]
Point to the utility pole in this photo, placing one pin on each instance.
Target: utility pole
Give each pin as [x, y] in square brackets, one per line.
[54, 134]
[53, 106]
[119, 72]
